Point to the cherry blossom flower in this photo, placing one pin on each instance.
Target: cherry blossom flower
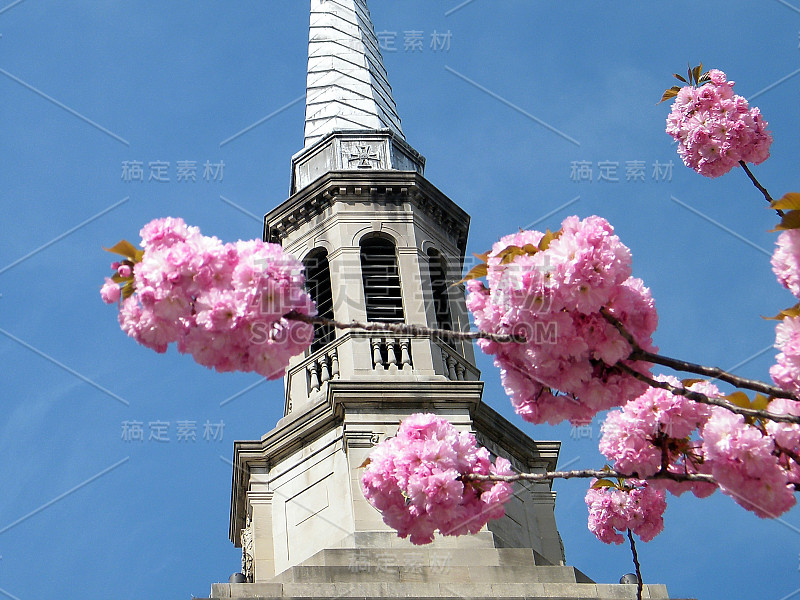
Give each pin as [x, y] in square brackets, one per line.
[715, 129]
[222, 303]
[414, 479]
[566, 369]
[638, 507]
[786, 260]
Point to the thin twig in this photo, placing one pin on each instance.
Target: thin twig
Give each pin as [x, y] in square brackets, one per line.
[682, 365]
[403, 329]
[591, 473]
[715, 373]
[636, 564]
[791, 454]
[760, 187]
[703, 399]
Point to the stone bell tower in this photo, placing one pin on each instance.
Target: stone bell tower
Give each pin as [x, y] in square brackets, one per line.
[379, 243]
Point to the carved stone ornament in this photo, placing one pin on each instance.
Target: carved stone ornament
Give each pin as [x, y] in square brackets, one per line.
[361, 155]
[247, 551]
[361, 439]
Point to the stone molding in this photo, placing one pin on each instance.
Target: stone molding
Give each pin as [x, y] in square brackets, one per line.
[386, 187]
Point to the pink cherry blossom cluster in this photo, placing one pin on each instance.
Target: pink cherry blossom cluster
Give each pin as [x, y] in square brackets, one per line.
[655, 429]
[786, 260]
[786, 371]
[553, 297]
[414, 479]
[222, 303]
[638, 506]
[715, 129]
[786, 266]
[744, 461]
[786, 436]
[660, 429]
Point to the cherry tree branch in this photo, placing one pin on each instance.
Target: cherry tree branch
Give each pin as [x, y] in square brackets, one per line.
[793, 455]
[758, 185]
[637, 354]
[703, 399]
[589, 474]
[404, 329]
[636, 564]
[715, 373]
[682, 365]
[595, 474]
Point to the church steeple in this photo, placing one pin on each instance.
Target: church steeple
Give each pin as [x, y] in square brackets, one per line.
[351, 118]
[347, 84]
[379, 243]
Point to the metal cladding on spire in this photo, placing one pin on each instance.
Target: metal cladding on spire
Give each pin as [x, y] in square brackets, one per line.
[347, 84]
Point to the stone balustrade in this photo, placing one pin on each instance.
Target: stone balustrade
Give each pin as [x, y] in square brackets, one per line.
[391, 351]
[454, 366]
[322, 367]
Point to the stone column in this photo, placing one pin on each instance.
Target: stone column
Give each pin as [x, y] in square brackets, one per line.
[415, 287]
[260, 506]
[542, 511]
[349, 305]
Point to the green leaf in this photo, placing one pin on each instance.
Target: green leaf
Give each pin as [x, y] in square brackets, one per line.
[790, 220]
[548, 237]
[509, 253]
[739, 399]
[790, 201]
[687, 383]
[760, 402]
[670, 93]
[603, 483]
[125, 248]
[127, 290]
[789, 312]
[676, 76]
[475, 272]
[697, 71]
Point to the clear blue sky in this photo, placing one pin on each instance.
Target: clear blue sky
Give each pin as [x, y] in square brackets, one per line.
[89, 84]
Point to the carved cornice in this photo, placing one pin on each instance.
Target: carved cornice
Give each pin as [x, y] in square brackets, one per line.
[361, 439]
[385, 187]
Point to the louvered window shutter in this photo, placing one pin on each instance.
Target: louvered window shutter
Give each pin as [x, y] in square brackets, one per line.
[381, 280]
[318, 284]
[441, 298]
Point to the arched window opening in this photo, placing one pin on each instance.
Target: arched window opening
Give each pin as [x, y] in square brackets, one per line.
[437, 267]
[381, 279]
[318, 284]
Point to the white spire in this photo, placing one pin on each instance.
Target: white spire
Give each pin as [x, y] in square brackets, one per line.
[347, 84]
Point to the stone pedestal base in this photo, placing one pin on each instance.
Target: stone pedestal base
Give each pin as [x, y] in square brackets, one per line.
[426, 572]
